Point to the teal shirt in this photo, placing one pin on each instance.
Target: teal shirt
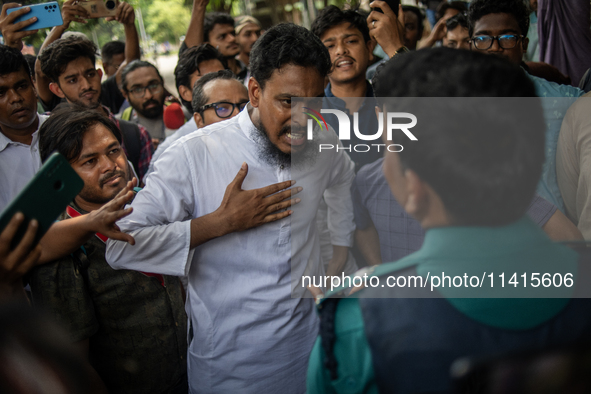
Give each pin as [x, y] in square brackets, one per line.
[518, 247]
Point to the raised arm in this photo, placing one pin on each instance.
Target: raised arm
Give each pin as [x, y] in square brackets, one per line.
[194, 35]
[71, 12]
[126, 16]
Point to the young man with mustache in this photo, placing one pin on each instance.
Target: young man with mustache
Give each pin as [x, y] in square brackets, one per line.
[70, 65]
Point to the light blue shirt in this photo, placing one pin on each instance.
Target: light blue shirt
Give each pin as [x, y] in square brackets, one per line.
[554, 112]
[252, 331]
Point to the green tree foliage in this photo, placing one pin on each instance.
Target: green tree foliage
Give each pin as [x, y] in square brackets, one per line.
[167, 20]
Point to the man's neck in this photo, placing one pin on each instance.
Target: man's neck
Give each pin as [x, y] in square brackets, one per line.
[24, 136]
[87, 206]
[353, 91]
[233, 65]
[244, 58]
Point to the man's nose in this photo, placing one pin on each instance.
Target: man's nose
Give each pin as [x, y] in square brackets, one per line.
[341, 49]
[14, 97]
[495, 47]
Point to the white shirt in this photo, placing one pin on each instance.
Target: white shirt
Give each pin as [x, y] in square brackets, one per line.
[250, 334]
[185, 129]
[18, 164]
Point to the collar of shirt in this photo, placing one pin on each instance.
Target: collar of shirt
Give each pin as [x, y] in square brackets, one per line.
[5, 141]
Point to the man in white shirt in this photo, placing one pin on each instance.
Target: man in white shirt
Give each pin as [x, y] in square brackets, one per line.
[19, 125]
[250, 329]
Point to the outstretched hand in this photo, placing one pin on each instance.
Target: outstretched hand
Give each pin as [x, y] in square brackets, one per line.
[244, 209]
[104, 220]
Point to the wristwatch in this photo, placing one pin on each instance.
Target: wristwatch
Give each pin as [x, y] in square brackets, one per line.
[402, 49]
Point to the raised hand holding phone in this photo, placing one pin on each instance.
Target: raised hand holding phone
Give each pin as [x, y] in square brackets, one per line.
[12, 30]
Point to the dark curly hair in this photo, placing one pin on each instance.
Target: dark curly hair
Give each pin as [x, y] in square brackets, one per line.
[56, 57]
[517, 8]
[332, 16]
[287, 43]
[12, 60]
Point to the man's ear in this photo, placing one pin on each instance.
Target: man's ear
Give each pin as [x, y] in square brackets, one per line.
[185, 93]
[55, 89]
[254, 92]
[100, 72]
[416, 203]
[199, 120]
[524, 44]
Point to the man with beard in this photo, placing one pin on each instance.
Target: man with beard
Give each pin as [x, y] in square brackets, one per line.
[69, 63]
[143, 87]
[250, 329]
[130, 325]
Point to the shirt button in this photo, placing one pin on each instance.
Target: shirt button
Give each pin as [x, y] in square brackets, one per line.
[176, 324]
[282, 166]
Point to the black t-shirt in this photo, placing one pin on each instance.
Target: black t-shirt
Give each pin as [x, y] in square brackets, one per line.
[111, 95]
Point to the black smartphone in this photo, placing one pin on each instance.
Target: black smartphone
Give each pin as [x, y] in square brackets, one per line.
[44, 198]
[393, 4]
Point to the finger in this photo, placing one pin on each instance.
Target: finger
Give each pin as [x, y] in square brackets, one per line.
[22, 34]
[274, 188]
[80, 11]
[8, 6]
[123, 213]
[134, 182]
[375, 16]
[119, 236]
[239, 179]
[275, 198]
[11, 228]
[276, 216]
[25, 245]
[282, 205]
[21, 25]
[30, 261]
[16, 14]
[109, 19]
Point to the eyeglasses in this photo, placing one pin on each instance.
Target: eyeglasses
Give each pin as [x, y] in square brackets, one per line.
[140, 92]
[224, 109]
[506, 41]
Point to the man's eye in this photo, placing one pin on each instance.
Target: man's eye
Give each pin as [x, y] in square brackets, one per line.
[114, 151]
[89, 162]
[72, 81]
[286, 102]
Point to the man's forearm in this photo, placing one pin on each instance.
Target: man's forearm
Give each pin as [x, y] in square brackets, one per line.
[42, 81]
[132, 43]
[367, 240]
[206, 228]
[64, 237]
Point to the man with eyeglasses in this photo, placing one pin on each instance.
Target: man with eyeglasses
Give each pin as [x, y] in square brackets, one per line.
[143, 87]
[499, 27]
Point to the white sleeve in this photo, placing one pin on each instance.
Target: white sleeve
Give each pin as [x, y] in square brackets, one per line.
[161, 219]
[339, 201]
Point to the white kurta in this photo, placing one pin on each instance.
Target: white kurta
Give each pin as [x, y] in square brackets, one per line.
[249, 333]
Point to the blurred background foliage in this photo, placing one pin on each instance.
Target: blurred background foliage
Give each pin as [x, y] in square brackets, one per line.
[166, 21]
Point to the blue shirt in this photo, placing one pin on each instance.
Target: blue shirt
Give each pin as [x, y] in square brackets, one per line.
[368, 124]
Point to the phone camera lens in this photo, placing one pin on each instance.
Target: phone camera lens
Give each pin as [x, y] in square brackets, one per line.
[110, 5]
[46, 7]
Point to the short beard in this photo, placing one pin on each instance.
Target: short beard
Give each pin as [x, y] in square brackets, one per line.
[151, 113]
[270, 154]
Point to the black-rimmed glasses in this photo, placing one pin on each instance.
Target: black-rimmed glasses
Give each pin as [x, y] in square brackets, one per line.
[224, 109]
[140, 91]
[506, 41]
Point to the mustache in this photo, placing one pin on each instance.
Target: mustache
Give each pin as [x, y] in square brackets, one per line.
[292, 129]
[150, 101]
[88, 91]
[108, 176]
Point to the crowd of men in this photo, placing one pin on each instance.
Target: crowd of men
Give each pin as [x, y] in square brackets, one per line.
[178, 267]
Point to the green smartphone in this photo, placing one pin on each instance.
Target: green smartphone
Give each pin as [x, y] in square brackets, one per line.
[44, 198]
